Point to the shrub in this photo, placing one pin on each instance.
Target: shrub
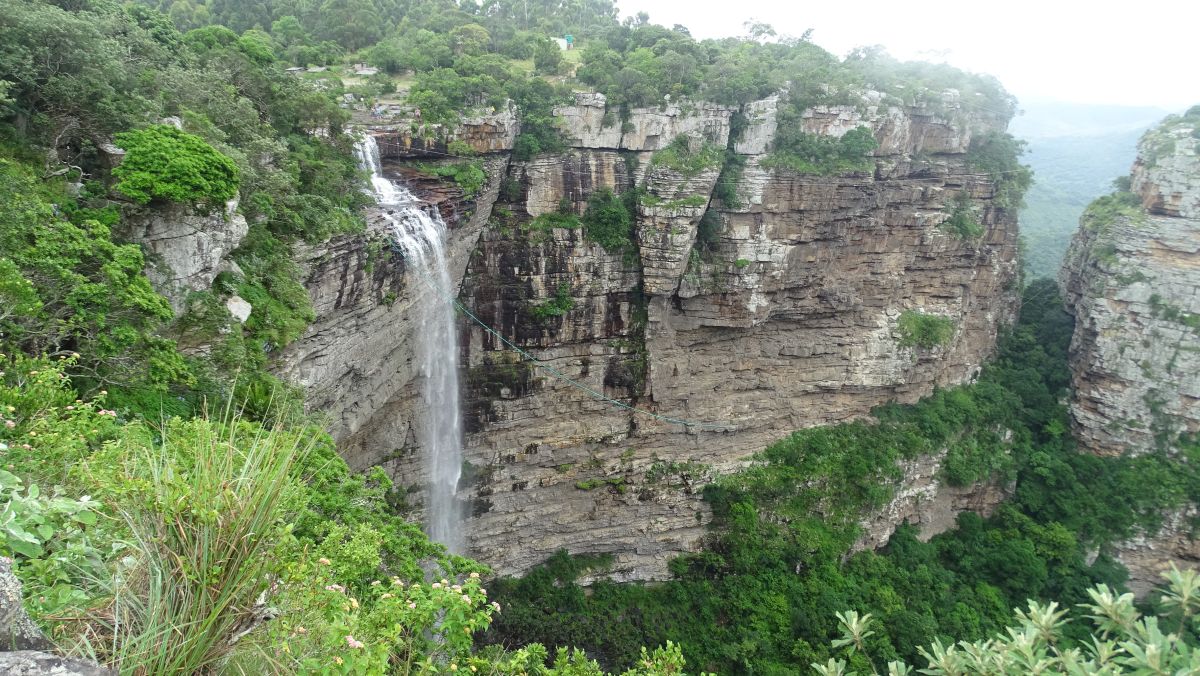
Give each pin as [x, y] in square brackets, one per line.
[962, 222]
[558, 306]
[162, 162]
[918, 329]
[688, 155]
[607, 221]
[807, 153]
[997, 154]
[205, 511]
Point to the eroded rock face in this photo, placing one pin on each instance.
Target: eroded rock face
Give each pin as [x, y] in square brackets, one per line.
[185, 247]
[490, 132]
[783, 316]
[753, 319]
[923, 500]
[34, 663]
[356, 362]
[1132, 281]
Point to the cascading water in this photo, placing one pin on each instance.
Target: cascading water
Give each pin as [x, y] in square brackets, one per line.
[422, 238]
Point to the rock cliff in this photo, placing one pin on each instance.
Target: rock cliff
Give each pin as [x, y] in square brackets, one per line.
[185, 248]
[751, 316]
[1132, 281]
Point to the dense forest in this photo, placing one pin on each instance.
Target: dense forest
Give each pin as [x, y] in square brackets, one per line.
[162, 490]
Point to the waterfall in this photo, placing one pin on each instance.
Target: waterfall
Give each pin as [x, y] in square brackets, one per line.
[421, 235]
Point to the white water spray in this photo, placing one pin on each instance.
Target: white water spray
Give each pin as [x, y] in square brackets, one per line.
[421, 235]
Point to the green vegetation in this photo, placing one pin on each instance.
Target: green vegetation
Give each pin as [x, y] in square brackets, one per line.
[562, 303]
[822, 155]
[468, 176]
[67, 288]
[962, 222]
[918, 329]
[997, 154]
[688, 155]
[162, 162]
[1122, 641]
[1174, 313]
[1104, 211]
[608, 222]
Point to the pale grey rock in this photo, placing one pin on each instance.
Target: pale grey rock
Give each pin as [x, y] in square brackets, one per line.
[588, 123]
[491, 131]
[17, 630]
[761, 122]
[186, 249]
[34, 663]
[238, 308]
[1133, 285]
[1167, 168]
[1148, 556]
[922, 499]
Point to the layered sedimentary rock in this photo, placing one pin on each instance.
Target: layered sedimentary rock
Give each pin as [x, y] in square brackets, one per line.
[784, 316]
[1132, 281]
[726, 325]
[356, 361]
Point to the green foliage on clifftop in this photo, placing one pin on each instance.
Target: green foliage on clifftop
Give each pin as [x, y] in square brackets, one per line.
[162, 162]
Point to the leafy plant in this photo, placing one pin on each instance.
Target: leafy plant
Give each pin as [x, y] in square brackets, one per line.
[162, 162]
[918, 329]
[807, 153]
[607, 221]
[558, 306]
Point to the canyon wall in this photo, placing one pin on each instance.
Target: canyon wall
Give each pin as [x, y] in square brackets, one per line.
[727, 323]
[1132, 281]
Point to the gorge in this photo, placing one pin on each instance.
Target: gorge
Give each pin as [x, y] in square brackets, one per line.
[401, 337]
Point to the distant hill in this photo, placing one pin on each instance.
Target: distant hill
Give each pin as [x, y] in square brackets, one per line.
[1076, 151]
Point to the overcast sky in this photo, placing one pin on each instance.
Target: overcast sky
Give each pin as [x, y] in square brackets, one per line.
[1144, 53]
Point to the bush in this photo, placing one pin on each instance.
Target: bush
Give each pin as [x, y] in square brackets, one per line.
[607, 221]
[688, 155]
[918, 329]
[807, 153]
[162, 162]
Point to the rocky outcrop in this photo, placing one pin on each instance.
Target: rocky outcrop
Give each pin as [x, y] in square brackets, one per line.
[22, 644]
[1132, 281]
[932, 505]
[1148, 556]
[17, 630]
[590, 123]
[185, 248]
[493, 131]
[719, 327]
[34, 663]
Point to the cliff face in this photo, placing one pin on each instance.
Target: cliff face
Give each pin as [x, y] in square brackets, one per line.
[185, 249]
[779, 311]
[1132, 280]
[786, 318]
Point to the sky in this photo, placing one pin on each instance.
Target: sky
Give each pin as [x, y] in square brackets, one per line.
[1101, 52]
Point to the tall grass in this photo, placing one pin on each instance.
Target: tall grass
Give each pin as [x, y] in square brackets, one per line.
[208, 508]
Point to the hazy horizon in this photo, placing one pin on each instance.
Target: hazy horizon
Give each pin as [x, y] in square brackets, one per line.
[1067, 52]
